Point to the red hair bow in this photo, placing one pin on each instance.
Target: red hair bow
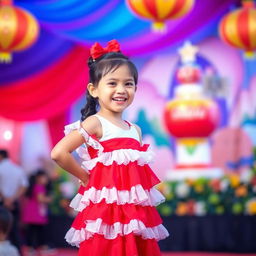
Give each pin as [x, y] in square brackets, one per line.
[97, 50]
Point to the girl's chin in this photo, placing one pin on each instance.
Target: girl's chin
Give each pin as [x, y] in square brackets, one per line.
[119, 109]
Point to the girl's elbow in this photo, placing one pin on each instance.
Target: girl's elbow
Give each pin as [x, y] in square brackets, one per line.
[55, 154]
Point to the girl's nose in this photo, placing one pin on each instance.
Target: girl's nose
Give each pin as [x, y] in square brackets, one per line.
[120, 89]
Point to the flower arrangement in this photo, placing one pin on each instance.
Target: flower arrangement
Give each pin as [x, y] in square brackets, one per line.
[232, 194]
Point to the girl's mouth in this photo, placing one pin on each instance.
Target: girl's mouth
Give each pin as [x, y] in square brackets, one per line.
[119, 99]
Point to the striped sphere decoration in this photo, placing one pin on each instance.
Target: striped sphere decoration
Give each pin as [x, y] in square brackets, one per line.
[160, 10]
[238, 28]
[18, 30]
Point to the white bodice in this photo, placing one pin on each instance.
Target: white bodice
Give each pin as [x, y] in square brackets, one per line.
[111, 131]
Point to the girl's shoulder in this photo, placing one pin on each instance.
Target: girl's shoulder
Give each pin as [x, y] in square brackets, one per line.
[137, 127]
[92, 126]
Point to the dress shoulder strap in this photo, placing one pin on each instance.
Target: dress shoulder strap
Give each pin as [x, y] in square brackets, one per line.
[89, 140]
[137, 130]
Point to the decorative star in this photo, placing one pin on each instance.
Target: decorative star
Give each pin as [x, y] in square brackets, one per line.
[188, 52]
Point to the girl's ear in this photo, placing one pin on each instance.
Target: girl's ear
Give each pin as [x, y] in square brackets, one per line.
[92, 90]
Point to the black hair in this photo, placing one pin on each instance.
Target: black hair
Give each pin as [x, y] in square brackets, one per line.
[4, 153]
[6, 219]
[32, 181]
[98, 68]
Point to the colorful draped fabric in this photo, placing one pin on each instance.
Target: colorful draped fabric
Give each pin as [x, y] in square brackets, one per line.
[52, 74]
[43, 81]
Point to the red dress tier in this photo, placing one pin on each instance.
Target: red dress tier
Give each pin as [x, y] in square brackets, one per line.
[116, 210]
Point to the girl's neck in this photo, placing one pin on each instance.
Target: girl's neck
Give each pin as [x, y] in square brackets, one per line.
[110, 115]
[115, 118]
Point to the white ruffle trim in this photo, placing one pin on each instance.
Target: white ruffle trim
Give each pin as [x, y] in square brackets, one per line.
[75, 237]
[120, 156]
[136, 195]
[82, 150]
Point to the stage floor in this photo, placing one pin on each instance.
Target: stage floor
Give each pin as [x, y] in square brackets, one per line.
[69, 252]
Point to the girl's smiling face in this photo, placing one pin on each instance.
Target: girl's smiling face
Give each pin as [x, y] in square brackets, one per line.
[115, 90]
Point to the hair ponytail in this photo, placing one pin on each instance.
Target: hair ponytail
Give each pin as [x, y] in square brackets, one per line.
[90, 108]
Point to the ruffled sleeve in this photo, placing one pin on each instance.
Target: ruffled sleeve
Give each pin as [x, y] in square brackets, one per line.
[82, 151]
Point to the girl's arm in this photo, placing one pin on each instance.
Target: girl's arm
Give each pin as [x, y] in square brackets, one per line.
[61, 153]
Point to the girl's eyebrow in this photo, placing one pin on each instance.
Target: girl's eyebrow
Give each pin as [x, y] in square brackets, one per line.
[115, 79]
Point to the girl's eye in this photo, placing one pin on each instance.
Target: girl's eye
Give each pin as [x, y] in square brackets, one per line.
[112, 83]
[129, 84]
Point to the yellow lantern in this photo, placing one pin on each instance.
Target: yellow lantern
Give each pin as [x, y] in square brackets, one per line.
[160, 10]
[18, 29]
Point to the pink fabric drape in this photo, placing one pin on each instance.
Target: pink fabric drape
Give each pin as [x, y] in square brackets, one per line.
[56, 127]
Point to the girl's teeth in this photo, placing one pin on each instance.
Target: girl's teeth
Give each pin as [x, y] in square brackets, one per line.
[119, 99]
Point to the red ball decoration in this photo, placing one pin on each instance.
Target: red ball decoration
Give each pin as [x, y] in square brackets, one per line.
[188, 74]
[191, 118]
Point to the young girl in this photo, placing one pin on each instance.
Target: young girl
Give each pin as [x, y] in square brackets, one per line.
[35, 212]
[115, 203]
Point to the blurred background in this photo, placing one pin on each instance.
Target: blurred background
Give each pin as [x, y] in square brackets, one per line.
[195, 104]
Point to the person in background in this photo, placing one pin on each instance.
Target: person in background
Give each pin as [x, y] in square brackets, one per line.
[13, 184]
[6, 248]
[35, 213]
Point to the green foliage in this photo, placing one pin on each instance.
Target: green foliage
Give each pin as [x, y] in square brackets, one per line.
[60, 202]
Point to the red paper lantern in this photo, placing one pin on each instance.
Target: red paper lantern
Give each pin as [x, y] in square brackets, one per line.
[160, 10]
[238, 28]
[191, 118]
[18, 29]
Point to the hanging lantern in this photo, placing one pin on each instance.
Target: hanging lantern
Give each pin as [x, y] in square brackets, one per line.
[18, 29]
[160, 10]
[238, 28]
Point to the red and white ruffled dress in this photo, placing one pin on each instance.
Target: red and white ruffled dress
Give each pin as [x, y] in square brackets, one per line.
[116, 210]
